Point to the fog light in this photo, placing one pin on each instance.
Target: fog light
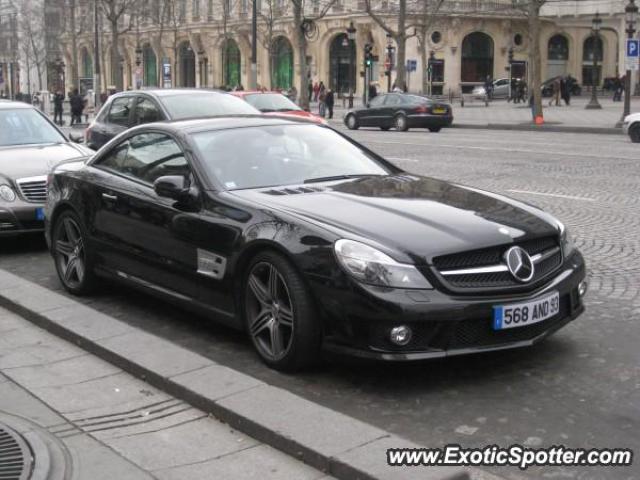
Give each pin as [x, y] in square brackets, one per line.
[400, 335]
[582, 288]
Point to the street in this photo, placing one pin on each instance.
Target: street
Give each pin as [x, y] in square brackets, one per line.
[579, 388]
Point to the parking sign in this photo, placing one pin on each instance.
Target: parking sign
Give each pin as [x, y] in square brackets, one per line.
[632, 58]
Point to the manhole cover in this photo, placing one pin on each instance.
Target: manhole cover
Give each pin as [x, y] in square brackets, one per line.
[16, 459]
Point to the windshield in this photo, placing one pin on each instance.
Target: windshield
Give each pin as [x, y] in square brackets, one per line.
[271, 102]
[24, 126]
[282, 155]
[205, 104]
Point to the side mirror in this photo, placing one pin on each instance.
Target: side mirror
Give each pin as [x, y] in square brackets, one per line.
[171, 186]
[76, 137]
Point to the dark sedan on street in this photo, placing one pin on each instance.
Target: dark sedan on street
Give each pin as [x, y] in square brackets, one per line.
[30, 146]
[305, 239]
[402, 112]
[127, 109]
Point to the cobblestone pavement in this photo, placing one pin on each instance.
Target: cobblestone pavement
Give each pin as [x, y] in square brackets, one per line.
[580, 388]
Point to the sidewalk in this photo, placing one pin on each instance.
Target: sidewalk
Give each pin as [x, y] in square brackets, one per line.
[503, 116]
[84, 416]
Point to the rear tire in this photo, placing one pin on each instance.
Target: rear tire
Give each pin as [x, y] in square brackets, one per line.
[401, 123]
[352, 122]
[435, 129]
[386, 129]
[72, 255]
[279, 314]
[634, 133]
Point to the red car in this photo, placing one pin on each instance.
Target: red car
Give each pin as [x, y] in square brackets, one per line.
[275, 103]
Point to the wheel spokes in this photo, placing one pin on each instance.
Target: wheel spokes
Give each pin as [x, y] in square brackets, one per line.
[272, 283]
[70, 269]
[70, 231]
[285, 317]
[261, 322]
[277, 342]
[259, 290]
[64, 248]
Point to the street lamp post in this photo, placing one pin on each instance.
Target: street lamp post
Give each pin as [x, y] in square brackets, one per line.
[253, 81]
[60, 69]
[351, 35]
[389, 61]
[631, 17]
[595, 28]
[510, 72]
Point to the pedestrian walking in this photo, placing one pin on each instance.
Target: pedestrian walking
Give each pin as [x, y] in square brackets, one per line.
[555, 89]
[566, 90]
[618, 88]
[77, 106]
[321, 99]
[310, 89]
[373, 91]
[58, 107]
[488, 87]
[329, 101]
[316, 91]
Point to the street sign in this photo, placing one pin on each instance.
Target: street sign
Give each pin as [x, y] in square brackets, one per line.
[412, 65]
[632, 57]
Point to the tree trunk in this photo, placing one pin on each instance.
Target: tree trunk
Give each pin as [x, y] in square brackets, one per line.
[422, 46]
[534, 57]
[401, 40]
[116, 77]
[74, 44]
[301, 43]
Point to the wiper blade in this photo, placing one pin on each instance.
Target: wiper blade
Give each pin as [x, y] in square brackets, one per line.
[339, 177]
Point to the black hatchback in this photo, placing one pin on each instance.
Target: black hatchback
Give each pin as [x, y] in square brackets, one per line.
[127, 109]
[400, 111]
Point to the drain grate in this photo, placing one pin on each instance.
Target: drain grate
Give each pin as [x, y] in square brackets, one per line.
[15, 455]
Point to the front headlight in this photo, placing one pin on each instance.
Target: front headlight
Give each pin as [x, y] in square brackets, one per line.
[373, 267]
[7, 194]
[566, 241]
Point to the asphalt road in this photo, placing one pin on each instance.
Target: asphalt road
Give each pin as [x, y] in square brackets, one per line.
[579, 388]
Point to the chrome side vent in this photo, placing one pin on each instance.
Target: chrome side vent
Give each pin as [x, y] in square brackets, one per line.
[292, 191]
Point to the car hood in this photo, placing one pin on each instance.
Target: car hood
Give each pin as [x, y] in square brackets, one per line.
[34, 160]
[411, 217]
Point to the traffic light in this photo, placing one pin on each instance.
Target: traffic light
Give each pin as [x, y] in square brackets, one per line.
[368, 54]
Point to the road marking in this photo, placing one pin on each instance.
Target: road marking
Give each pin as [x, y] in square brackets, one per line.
[400, 159]
[570, 197]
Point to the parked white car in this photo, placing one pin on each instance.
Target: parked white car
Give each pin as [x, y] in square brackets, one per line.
[631, 127]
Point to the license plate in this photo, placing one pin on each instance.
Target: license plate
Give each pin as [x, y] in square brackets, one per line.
[39, 213]
[527, 313]
[439, 110]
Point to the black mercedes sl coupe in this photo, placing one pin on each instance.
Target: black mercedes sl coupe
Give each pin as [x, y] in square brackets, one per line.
[306, 239]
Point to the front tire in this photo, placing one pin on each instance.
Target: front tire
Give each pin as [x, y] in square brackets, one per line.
[352, 122]
[385, 129]
[279, 314]
[634, 133]
[401, 123]
[435, 129]
[72, 255]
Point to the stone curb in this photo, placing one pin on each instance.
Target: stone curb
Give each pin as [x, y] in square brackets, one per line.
[526, 127]
[325, 439]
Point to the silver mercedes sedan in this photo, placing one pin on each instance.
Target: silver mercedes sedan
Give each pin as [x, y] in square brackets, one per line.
[30, 146]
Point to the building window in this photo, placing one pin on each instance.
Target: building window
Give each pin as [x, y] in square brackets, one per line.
[195, 9]
[436, 38]
[281, 64]
[518, 40]
[558, 48]
[477, 57]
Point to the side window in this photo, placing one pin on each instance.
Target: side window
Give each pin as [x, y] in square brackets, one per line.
[114, 160]
[146, 111]
[377, 101]
[393, 100]
[154, 155]
[119, 112]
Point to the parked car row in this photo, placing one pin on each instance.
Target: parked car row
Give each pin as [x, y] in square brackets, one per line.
[295, 233]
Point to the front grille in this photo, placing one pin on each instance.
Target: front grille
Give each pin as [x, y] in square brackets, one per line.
[33, 189]
[493, 256]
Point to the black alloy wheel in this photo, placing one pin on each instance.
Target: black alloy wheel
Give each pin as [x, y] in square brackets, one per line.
[279, 315]
[352, 122]
[435, 129]
[401, 123]
[70, 254]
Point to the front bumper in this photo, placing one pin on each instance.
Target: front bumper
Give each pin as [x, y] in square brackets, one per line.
[359, 320]
[20, 217]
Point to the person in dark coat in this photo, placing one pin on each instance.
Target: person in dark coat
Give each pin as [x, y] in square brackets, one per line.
[58, 107]
[373, 91]
[329, 101]
[77, 106]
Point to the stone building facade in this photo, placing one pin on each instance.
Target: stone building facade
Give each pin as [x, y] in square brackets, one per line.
[208, 44]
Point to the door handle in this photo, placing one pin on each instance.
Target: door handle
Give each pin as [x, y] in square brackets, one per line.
[111, 198]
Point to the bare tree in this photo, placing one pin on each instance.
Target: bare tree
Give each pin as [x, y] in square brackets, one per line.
[267, 17]
[305, 28]
[117, 12]
[531, 8]
[425, 17]
[399, 34]
[33, 41]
